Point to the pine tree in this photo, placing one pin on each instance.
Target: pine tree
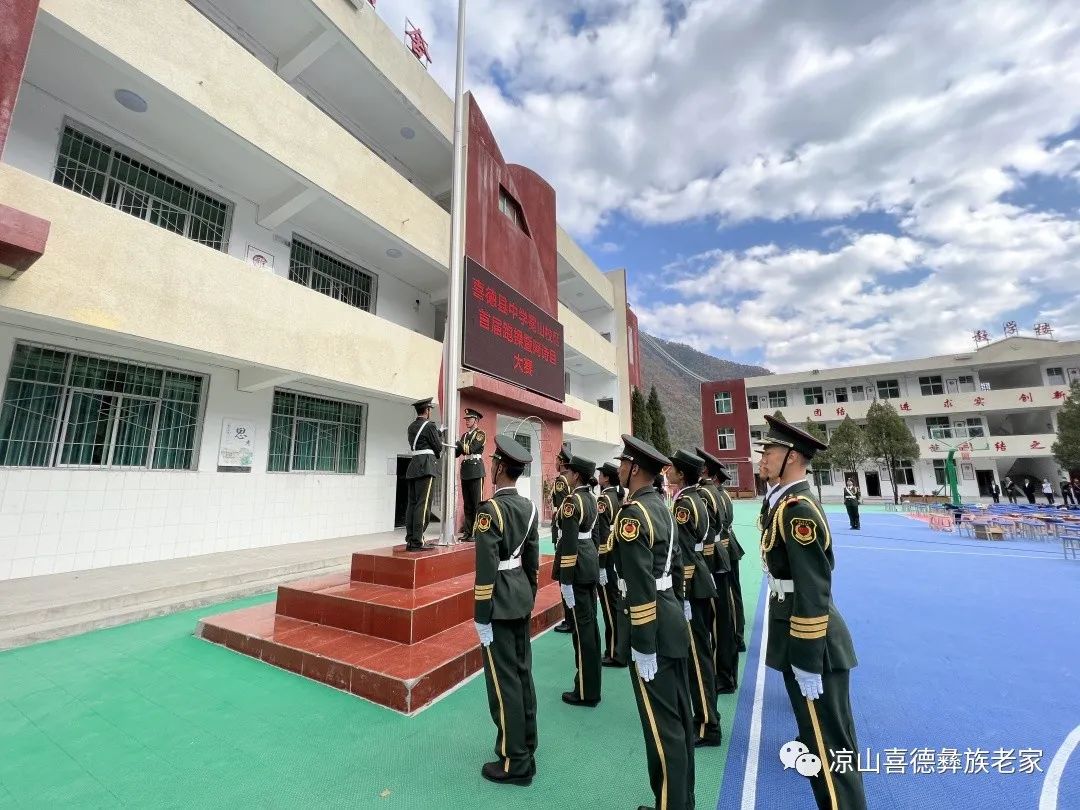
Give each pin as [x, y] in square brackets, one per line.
[821, 460]
[660, 439]
[778, 414]
[641, 423]
[888, 440]
[1067, 447]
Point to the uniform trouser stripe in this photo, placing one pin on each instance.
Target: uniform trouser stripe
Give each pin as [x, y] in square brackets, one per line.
[427, 505]
[656, 739]
[502, 706]
[701, 688]
[577, 655]
[609, 621]
[826, 766]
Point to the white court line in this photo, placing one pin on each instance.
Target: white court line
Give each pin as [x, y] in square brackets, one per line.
[1048, 798]
[749, 786]
[987, 553]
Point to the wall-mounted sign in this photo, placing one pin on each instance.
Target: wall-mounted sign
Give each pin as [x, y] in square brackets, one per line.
[509, 337]
[237, 449]
[260, 258]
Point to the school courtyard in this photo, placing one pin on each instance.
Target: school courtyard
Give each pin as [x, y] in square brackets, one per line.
[967, 695]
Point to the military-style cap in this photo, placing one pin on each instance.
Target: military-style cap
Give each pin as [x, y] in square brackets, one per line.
[785, 435]
[643, 454]
[687, 462]
[566, 453]
[419, 405]
[469, 412]
[508, 449]
[610, 469]
[583, 466]
[714, 465]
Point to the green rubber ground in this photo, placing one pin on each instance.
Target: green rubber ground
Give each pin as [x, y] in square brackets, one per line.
[146, 715]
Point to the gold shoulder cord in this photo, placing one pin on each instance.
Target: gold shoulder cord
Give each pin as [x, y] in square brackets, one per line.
[768, 539]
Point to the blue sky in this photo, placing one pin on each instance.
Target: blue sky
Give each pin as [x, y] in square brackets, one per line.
[799, 185]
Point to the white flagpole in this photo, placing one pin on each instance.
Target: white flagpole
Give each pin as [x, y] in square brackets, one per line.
[452, 337]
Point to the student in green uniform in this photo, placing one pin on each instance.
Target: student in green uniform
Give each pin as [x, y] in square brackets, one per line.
[657, 638]
[607, 505]
[560, 488]
[471, 445]
[808, 640]
[507, 533]
[578, 564]
[692, 524]
[718, 555]
[425, 447]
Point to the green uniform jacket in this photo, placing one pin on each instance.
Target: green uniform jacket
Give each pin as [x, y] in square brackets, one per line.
[576, 557]
[607, 505]
[643, 532]
[471, 443]
[506, 526]
[424, 435]
[716, 549]
[735, 550]
[692, 524]
[805, 628]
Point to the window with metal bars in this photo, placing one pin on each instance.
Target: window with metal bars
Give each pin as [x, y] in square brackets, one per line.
[311, 434]
[63, 409]
[107, 173]
[331, 275]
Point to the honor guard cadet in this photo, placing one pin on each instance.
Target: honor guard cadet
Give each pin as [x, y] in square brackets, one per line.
[808, 640]
[692, 526]
[656, 638]
[851, 503]
[507, 533]
[722, 621]
[736, 553]
[560, 488]
[425, 444]
[607, 505]
[577, 561]
[471, 446]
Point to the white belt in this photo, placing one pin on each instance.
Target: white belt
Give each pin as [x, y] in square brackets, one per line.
[510, 565]
[662, 584]
[781, 586]
[474, 456]
[584, 535]
[699, 547]
[426, 452]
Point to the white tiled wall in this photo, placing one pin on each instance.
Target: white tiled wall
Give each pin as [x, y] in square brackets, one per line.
[54, 520]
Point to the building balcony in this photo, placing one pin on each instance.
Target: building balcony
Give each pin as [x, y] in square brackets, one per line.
[107, 271]
[218, 111]
[587, 351]
[971, 402]
[595, 424]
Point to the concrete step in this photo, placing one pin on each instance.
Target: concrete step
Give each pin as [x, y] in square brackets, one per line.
[68, 620]
[61, 610]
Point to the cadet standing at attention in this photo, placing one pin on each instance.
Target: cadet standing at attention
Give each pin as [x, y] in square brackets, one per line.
[736, 553]
[808, 640]
[692, 524]
[579, 571]
[657, 637]
[851, 503]
[507, 533]
[471, 445]
[425, 446]
[560, 488]
[725, 647]
[607, 505]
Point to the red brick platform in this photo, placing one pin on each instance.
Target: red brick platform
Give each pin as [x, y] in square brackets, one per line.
[397, 630]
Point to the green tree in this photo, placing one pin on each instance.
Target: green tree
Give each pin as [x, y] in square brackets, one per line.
[847, 448]
[660, 438]
[822, 460]
[640, 421]
[779, 414]
[1067, 447]
[888, 440]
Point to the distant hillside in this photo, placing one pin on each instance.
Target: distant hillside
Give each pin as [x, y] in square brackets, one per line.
[678, 389]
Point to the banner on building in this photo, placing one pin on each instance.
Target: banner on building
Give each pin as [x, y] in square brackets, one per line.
[237, 449]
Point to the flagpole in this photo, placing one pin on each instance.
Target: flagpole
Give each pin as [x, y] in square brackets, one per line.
[453, 334]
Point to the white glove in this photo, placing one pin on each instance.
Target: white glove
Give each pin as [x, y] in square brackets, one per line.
[603, 577]
[646, 664]
[484, 632]
[809, 683]
[568, 595]
[686, 609]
